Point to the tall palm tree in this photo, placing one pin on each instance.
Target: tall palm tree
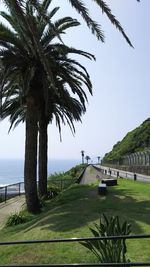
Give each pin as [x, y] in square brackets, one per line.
[31, 62]
[87, 159]
[24, 45]
[63, 110]
[82, 155]
[98, 158]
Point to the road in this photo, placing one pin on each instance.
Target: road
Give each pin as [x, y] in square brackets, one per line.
[124, 174]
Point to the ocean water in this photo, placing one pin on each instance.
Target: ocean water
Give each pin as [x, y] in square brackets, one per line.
[11, 170]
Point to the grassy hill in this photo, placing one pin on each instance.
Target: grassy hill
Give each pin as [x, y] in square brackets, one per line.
[136, 140]
[70, 215]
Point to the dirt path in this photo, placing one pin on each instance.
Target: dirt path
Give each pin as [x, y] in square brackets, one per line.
[11, 206]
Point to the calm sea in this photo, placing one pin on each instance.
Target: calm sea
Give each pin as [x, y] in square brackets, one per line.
[11, 171]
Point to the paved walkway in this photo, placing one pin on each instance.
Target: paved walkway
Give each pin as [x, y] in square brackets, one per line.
[11, 206]
[92, 175]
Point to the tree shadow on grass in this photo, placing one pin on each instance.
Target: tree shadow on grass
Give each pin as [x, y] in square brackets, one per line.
[82, 205]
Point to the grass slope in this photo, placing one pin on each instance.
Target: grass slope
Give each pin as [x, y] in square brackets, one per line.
[70, 215]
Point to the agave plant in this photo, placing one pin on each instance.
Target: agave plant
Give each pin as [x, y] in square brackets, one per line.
[107, 250]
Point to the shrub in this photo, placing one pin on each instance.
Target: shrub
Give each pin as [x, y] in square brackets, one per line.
[42, 201]
[52, 191]
[1, 199]
[73, 173]
[15, 219]
[109, 251]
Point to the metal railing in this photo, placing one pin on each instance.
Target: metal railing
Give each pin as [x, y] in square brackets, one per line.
[12, 190]
[107, 170]
[17, 189]
[6, 243]
[61, 183]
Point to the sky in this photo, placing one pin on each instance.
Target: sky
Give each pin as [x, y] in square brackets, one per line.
[120, 77]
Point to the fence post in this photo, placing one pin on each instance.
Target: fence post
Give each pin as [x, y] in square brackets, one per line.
[61, 185]
[19, 188]
[5, 193]
[117, 174]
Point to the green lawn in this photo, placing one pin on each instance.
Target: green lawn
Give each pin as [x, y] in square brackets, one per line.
[71, 214]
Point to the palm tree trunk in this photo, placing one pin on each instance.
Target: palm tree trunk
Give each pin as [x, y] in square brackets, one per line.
[30, 166]
[43, 157]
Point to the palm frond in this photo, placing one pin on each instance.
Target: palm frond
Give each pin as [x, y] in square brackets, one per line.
[59, 27]
[8, 36]
[105, 9]
[93, 25]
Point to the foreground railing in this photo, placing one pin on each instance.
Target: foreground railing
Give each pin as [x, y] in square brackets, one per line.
[77, 240]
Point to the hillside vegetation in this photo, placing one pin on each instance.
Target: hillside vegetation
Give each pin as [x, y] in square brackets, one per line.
[136, 140]
[73, 173]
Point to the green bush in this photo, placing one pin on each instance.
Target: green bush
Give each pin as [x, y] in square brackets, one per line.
[52, 191]
[73, 173]
[65, 179]
[109, 251]
[15, 219]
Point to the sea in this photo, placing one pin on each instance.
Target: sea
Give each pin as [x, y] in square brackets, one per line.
[11, 170]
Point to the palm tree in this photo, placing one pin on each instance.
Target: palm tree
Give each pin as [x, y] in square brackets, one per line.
[87, 159]
[26, 50]
[67, 109]
[31, 63]
[82, 155]
[64, 110]
[98, 158]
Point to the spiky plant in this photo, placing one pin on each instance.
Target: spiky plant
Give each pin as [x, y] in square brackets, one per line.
[109, 250]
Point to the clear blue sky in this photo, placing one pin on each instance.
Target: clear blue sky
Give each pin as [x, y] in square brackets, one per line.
[121, 83]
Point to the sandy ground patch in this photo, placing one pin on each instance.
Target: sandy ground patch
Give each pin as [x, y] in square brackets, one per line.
[11, 206]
